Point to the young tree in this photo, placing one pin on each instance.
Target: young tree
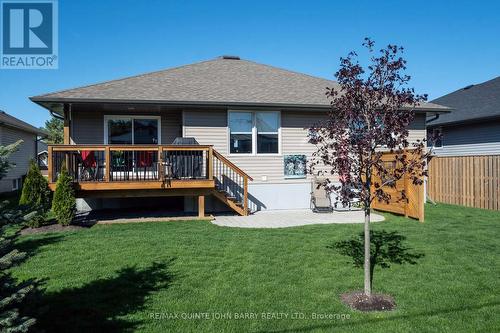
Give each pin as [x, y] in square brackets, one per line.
[371, 109]
[64, 203]
[36, 192]
[54, 128]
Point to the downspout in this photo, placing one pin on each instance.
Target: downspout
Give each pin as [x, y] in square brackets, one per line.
[436, 117]
[56, 115]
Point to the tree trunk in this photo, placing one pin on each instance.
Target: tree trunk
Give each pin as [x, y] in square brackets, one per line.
[367, 266]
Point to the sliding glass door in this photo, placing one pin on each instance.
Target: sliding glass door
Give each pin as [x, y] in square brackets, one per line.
[132, 130]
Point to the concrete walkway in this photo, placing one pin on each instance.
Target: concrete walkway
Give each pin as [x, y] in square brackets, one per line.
[292, 218]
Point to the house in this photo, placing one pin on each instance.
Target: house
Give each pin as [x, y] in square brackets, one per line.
[473, 128]
[231, 130]
[465, 167]
[12, 130]
[43, 157]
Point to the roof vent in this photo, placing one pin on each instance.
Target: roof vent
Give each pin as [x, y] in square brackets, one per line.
[469, 86]
[230, 57]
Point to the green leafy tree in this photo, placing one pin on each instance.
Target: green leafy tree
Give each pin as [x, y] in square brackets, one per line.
[54, 128]
[12, 294]
[5, 152]
[36, 192]
[64, 203]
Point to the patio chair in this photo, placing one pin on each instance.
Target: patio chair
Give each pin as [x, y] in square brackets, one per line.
[145, 161]
[90, 167]
[320, 199]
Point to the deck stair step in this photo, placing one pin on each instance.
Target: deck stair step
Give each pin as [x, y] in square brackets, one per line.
[231, 202]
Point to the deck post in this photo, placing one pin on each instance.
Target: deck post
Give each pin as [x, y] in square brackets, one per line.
[107, 159]
[245, 195]
[160, 163]
[201, 206]
[210, 167]
[67, 124]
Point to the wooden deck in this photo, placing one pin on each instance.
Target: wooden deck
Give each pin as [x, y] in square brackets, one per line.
[147, 170]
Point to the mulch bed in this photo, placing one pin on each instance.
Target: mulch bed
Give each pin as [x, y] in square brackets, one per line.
[357, 300]
[51, 228]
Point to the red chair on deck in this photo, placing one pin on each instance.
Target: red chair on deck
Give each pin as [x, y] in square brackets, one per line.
[90, 167]
[145, 160]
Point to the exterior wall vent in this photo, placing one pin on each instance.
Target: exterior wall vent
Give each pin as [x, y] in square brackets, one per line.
[230, 57]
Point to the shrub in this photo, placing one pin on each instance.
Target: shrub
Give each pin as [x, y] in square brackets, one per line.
[36, 218]
[36, 192]
[64, 203]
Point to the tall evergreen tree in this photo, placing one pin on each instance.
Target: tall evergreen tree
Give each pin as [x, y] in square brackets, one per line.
[54, 128]
[64, 203]
[12, 294]
[36, 192]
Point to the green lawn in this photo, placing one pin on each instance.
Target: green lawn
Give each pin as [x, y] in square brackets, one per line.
[118, 277]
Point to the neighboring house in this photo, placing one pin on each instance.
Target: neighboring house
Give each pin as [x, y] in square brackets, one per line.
[473, 128]
[12, 130]
[250, 122]
[465, 169]
[43, 157]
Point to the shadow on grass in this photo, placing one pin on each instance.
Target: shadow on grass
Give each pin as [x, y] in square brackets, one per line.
[386, 248]
[348, 323]
[100, 305]
[32, 246]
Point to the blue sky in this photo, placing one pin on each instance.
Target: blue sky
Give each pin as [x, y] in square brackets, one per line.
[449, 44]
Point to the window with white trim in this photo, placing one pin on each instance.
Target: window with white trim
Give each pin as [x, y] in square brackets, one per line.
[16, 184]
[240, 132]
[254, 132]
[267, 124]
[132, 130]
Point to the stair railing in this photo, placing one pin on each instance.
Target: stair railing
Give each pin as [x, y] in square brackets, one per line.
[230, 179]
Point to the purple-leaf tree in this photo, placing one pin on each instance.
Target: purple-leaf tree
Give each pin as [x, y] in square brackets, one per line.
[371, 110]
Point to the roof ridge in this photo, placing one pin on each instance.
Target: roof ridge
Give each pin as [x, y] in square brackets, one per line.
[471, 86]
[124, 78]
[290, 71]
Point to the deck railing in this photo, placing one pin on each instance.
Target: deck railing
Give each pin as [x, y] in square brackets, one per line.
[113, 163]
[151, 163]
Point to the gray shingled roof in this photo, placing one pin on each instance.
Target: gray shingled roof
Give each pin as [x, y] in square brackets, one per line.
[218, 81]
[11, 121]
[471, 103]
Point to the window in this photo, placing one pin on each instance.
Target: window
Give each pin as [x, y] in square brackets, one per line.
[132, 130]
[435, 137]
[145, 131]
[16, 184]
[240, 127]
[253, 132]
[267, 132]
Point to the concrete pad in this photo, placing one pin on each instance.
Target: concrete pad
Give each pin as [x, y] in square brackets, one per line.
[292, 218]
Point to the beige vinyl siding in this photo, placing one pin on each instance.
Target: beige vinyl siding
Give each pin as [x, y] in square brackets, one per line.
[210, 127]
[88, 127]
[21, 158]
[418, 129]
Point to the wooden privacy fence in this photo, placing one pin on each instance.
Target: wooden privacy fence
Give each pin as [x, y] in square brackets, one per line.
[413, 207]
[472, 181]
